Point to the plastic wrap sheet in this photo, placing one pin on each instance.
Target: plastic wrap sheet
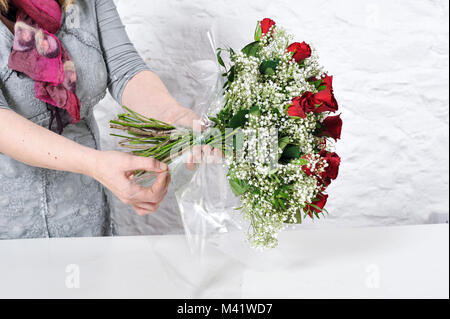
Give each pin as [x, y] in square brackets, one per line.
[204, 197]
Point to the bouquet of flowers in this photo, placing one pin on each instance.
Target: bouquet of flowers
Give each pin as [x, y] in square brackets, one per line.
[275, 128]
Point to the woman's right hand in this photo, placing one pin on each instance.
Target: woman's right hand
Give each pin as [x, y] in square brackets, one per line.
[115, 170]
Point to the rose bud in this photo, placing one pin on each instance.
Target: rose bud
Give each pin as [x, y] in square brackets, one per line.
[332, 170]
[320, 203]
[301, 51]
[266, 24]
[332, 127]
[328, 81]
[325, 98]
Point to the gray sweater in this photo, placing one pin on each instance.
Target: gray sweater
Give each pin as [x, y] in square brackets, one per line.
[37, 202]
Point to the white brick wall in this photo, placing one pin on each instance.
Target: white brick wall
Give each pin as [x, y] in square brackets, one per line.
[390, 59]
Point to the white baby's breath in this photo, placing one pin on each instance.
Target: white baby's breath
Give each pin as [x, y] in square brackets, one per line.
[272, 94]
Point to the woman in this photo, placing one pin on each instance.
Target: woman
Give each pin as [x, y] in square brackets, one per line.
[52, 73]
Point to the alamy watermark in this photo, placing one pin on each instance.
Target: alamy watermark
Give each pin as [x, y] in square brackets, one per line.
[72, 276]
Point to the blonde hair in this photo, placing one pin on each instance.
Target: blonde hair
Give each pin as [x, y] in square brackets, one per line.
[4, 4]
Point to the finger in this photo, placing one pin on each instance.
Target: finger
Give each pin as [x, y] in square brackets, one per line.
[142, 212]
[163, 195]
[160, 188]
[153, 206]
[169, 180]
[146, 164]
[146, 208]
[129, 175]
[153, 194]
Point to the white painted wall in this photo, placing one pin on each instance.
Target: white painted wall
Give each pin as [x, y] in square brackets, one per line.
[390, 59]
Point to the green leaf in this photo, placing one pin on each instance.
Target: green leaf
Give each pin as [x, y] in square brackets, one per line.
[316, 207]
[254, 110]
[239, 119]
[275, 203]
[317, 83]
[269, 67]
[283, 195]
[291, 152]
[283, 142]
[321, 88]
[219, 58]
[287, 188]
[251, 49]
[215, 120]
[280, 201]
[258, 31]
[239, 187]
[232, 74]
[276, 178]
[273, 171]
[302, 161]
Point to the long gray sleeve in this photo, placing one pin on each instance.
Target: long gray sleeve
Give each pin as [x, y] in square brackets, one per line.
[122, 60]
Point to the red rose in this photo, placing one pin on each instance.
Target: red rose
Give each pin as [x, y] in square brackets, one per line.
[320, 203]
[332, 170]
[301, 105]
[325, 98]
[266, 24]
[332, 127]
[322, 101]
[307, 101]
[301, 51]
[296, 109]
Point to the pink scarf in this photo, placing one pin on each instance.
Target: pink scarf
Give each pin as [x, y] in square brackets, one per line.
[38, 53]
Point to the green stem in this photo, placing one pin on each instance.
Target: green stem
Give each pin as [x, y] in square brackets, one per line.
[151, 126]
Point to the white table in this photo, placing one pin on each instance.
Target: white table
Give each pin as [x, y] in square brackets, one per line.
[387, 262]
